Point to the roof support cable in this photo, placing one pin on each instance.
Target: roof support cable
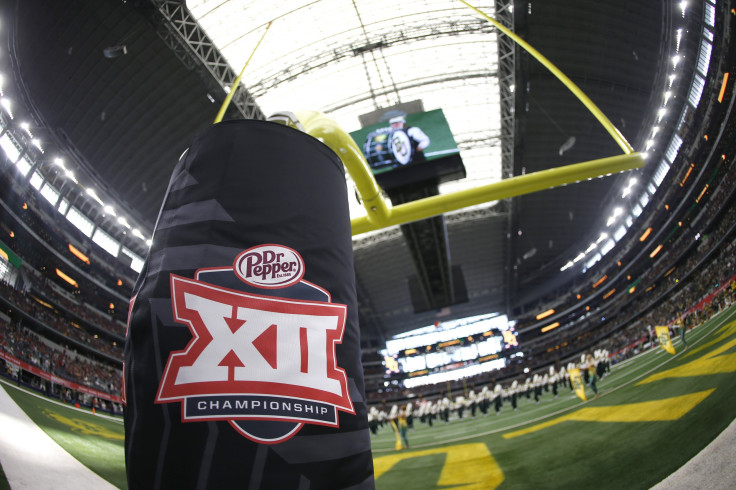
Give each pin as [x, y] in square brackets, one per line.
[375, 62]
[569, 140]
[546, 114]
[393, 82]
[370, 84]
[380, 76]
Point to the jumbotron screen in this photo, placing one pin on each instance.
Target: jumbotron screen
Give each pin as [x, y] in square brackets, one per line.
[408, 148]
[478, 345]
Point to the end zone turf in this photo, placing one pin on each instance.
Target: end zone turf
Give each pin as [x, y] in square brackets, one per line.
[654, 413]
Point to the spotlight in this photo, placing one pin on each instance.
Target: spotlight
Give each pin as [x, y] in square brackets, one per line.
[115, 51]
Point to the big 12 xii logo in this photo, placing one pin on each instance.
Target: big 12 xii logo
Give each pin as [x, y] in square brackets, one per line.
[263, 362]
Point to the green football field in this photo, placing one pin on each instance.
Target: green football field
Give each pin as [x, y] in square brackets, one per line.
[654, 413]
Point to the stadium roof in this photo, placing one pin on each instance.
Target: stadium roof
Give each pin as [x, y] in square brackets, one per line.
[122, 117]
[350, 58]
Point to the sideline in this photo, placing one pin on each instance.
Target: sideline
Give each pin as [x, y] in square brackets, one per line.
[32, 460]
[711, 468]
[48, 399]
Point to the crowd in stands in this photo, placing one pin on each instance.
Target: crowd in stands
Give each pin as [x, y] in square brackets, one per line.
[88, 314]
[50, 317]
[21, 215]
[27, 346]
[699, 270]
[717, 185]
[73, 333]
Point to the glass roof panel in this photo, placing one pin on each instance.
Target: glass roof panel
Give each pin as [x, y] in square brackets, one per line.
[350, 58]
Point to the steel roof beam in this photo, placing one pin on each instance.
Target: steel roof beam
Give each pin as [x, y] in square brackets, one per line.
[192, 45]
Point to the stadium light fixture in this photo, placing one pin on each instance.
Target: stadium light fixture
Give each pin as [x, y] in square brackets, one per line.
[549, 327]
[124, 222]
[67, 278]
[71, 176]
[78, 254]
[655, 252]
[600, 281]
[91, 193]
[628, 188]
[545, 314]
[115, 51]
[7, 105]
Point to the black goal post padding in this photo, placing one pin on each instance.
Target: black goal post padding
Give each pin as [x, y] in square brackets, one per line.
[242, 361]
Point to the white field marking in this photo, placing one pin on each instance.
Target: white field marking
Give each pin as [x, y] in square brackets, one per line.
[32, 460]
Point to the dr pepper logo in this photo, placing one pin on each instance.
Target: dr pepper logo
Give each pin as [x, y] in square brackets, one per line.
[269, 266]
[267, 365]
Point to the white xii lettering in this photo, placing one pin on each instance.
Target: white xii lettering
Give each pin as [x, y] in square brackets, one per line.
[263, 357]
